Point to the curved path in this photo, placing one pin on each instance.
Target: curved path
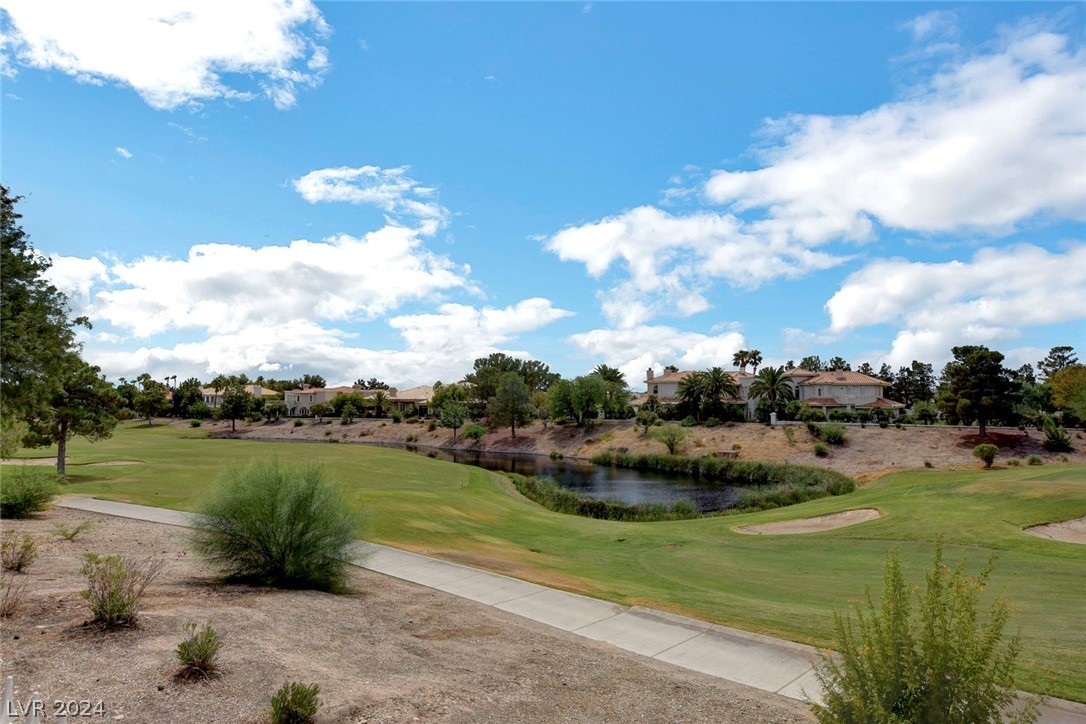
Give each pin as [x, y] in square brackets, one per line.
[766, 663]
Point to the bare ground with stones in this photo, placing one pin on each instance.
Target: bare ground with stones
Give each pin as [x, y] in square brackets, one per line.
[389, 652]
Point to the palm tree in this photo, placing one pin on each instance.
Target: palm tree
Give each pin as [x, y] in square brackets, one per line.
[692, 391]
[379, 399]
[754, 357]
[610, 374]
[773, 386]
[740, 359]
[717, 386]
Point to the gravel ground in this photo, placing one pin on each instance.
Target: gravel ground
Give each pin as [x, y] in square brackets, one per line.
[389, 652]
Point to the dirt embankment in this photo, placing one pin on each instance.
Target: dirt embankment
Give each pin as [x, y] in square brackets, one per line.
[870, 451]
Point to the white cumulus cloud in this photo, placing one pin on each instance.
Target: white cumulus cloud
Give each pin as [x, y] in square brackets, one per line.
[986, 144]
[175, 52]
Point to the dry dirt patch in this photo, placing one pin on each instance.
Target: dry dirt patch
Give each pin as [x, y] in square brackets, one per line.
[1068, 531]
[390, 652]
[812, 525]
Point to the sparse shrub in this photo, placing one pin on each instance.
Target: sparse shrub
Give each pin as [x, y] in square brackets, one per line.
[298, 423]
[1064, 459]
[736, 447]
[556, 455]
[942, 663]
[26, 491]
[1035, 460]
[397, 417]
[729, 423]
[689, 421]
[833, 433]
[820, 450]
[790, 433]
[15, 554]
[1014, 462]
[884, 424]
[431, 426]
[412, 420]
[672, 436]
[198, 652]
[69, 532]
[278, 525]
[345, 418]
[474, 431]
[712, 422]
[11, 594]
[927, 464]
[195, 423]
[116, 586]
[412, 438]
[295, 703]
[986, 452]
[327, 433]
[1056, 438]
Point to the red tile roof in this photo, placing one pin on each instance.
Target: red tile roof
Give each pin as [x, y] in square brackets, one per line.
[847, 378]
[883, 403]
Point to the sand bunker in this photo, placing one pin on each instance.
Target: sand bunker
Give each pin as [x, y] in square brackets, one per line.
[1069, 531]
[812, 525]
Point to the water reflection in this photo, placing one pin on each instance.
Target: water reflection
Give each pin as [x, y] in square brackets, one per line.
[596, 481]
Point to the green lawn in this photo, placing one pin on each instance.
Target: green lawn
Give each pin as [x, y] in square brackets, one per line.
[779, 585]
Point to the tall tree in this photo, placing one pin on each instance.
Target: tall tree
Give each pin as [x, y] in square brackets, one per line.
[236, 403]
[1056, 360]
[380, 400]
[838, 362]
[81, 403]
[754, 359]
[691, 391]
[483, 380]
[913, 384]
[512, 402]
[866, 369]
[718, 388]
[617, 395]
[741, 359]
[152, 399]
[811, 363]
[453, 415]
[185, 396]
[371, 384]
[36, 333]
[773, 387]
[537, 375]
[977, 386]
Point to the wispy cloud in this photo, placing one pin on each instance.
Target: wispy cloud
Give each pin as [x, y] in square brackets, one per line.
[123, 152]
[193, 136]
[390, 189]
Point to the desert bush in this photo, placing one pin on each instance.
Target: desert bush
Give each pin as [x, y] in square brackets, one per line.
[277, 525]
[712, 422]
[195, 423]
[1014, 462]
[198, 652]
[11, 594]
[942, 663]
[927, 464]
[295, 703]
[884, 424]
[833, 433]
[474, 431]
[69, 532]
[556, 455]
[412, 438]
[412, 420]
[116, 586]
[26, 491]
[298, 423]
[672, 436]
[1056, 438]
[820, 449]
[986, 452]
[431, 426]
[15, 554]
[790, 433]
[1035, 460]
[397, 417]
[689, 421]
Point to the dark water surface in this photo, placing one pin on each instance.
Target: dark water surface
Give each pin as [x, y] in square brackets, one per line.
[597, 481]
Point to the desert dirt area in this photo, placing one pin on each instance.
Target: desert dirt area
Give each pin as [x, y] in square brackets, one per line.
[389, 651]
[869, 452]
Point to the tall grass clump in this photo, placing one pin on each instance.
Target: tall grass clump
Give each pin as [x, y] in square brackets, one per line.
[15, 554]
[11, 594]
[295, 703]
[833, 433]
[115, 587]
[1056, 437]
[553, 496]
[198, 652]
[277, 525]
[941, 662]
[26, 491]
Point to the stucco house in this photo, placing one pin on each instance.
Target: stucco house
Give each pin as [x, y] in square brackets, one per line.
[416, 399]
[828, 390]
[213, 397]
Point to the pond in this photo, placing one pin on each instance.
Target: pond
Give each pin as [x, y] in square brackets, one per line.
[597, 481]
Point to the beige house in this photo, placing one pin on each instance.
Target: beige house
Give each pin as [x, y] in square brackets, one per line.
[213, 397]
[836, 389]
[300, 402]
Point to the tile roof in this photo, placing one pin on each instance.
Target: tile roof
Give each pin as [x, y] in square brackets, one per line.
[822, 402]
[884, 403]
[670, 377]
[848, 377]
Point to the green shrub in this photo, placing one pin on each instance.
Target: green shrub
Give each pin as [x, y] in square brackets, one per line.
[116, 586]
[198, 652]
[397, 417]
[689, 421]
[820, 450]
[672, 436]
[474, 431]
[412, 438]
[712, 422]
[431, 426]
[15, 554]
[295, 703]
[884, 424]
[986, 452]
[412, 420]
[69, 532]
[556, 455]
[277, 525]
[927, 464]
[298, 423]
[942, 663]
[1035, 460]
[790, 433]
[1014, 462]
[195, 423]
[25, 491]
[1056, 438]
[833, 433]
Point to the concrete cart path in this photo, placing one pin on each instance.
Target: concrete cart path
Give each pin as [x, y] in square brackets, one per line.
[766, 663]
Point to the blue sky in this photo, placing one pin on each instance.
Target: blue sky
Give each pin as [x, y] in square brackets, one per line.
[395, 189]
